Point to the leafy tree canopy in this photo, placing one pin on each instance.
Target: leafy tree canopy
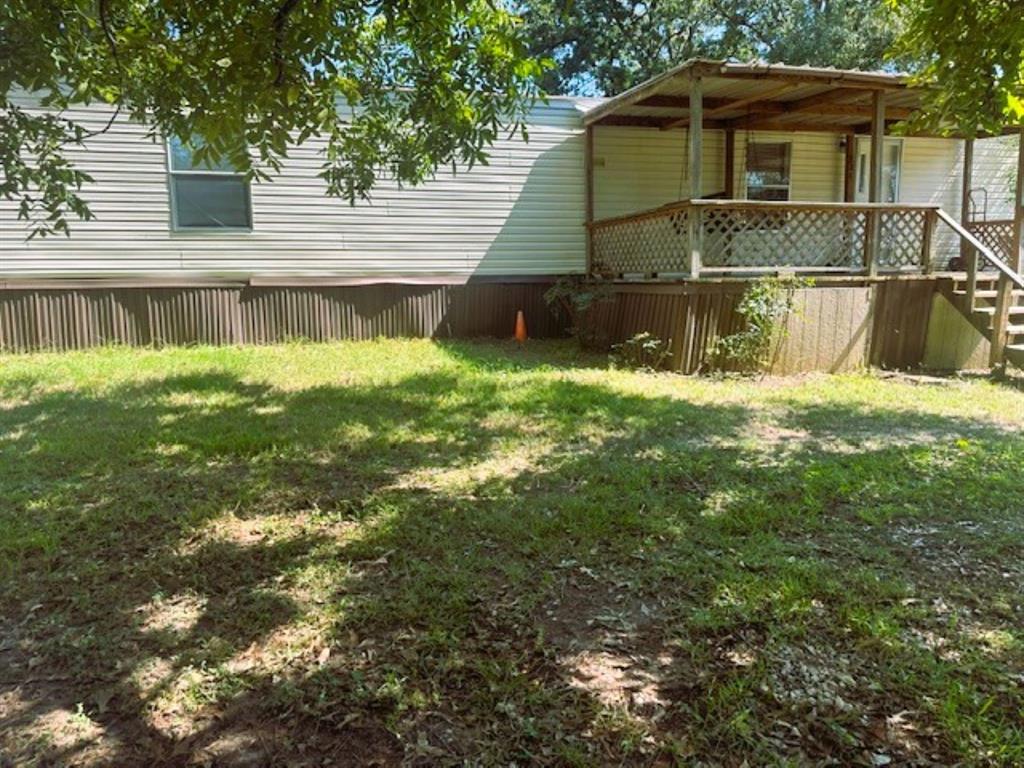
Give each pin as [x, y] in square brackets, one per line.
[431, 82]
[606, 46]
[973, 52]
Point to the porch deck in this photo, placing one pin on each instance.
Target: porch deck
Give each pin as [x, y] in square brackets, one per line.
[707, 240]
[695, 238]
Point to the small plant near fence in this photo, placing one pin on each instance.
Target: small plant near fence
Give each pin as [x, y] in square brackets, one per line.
[766, 307]
[643, 352]
[576, 299]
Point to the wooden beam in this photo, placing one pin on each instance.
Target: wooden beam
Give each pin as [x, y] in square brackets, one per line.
[696, 140]
[751, 101]
[730, 164]
[637, 121]
[877, 147]
[1017, 250]
[695, 231]
[855, 110]
[965, 195]
[732, 106]
[811, 79]
[789, 127]
[850, 169]
[812, 105]
[873, 237]
[589, 169]
[820, 99]
[647, 121]
[678, 102]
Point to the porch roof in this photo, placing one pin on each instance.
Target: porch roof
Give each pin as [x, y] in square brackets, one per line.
[762, 96]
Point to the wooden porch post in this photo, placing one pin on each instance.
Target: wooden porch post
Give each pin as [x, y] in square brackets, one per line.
[1004, 295]
[589, 171]
[965, 195]
[1017, 249]
[695, 227]
[730, 163]
[850, 169]
[873, 237]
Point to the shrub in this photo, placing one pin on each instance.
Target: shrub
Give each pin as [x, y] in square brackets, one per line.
[575, 298]
[766, 306]
[644, 351]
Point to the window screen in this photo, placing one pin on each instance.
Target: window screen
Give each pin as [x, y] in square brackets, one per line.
[206, 196]
[768, 171]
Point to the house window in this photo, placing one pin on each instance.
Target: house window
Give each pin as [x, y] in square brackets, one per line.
[768, 171]
[206, 195]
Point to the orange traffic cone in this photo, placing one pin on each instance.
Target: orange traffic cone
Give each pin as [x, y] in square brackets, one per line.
[520, 327]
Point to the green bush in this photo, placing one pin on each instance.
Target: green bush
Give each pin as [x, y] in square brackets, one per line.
[574, 298]
[766, 306]
[645, 352]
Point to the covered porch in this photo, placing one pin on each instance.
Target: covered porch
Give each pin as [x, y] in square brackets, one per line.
[731, 220]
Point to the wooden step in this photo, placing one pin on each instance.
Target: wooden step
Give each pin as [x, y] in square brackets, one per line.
[1015, 310]
[1015, 354]
[990, 294]
[1015, 330]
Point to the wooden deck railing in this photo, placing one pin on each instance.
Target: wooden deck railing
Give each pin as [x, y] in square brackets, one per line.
[1008, 281]
[997, 234]
[691, 238]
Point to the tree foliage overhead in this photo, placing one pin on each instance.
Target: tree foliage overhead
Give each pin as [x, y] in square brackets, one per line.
[973, 52]
[606, 46]
[429, 83]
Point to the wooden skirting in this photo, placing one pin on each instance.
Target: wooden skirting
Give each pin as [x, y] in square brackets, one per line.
[839, 324]
[79, 314]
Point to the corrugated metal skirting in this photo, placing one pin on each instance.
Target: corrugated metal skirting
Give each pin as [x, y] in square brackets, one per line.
[80, 317]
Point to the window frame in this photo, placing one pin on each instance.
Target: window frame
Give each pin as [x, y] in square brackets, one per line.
[176, 227]
[788, 186]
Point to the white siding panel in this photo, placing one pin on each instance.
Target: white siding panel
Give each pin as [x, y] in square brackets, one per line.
[522, 214]
[995, 168]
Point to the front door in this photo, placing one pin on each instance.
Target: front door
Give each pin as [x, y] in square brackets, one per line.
[892, 155]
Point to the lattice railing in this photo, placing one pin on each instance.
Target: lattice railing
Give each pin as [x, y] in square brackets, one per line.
[766, 237]
[738, 236]
[996, 234]
[650, 243]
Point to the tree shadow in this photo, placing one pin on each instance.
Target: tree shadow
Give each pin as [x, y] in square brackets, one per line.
[225, 571]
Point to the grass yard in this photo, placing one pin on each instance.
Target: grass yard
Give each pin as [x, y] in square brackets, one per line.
[460, 553]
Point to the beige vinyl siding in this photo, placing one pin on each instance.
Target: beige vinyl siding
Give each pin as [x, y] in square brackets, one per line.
[640, 168]
[816, 164]
[932, 172]
[995, 167]
[522, 214]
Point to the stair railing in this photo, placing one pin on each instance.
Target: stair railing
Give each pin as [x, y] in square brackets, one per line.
[1009, 279]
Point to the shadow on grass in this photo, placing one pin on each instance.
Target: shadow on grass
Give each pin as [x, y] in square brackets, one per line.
[463, 566]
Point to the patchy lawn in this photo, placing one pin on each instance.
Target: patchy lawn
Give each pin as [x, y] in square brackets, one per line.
[369, 553]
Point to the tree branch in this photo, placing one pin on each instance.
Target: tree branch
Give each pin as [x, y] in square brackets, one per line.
[279, 21]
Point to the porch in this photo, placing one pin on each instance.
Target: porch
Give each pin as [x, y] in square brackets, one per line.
[738, 217]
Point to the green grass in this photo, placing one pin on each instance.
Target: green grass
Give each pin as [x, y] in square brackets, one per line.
[471, 553]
